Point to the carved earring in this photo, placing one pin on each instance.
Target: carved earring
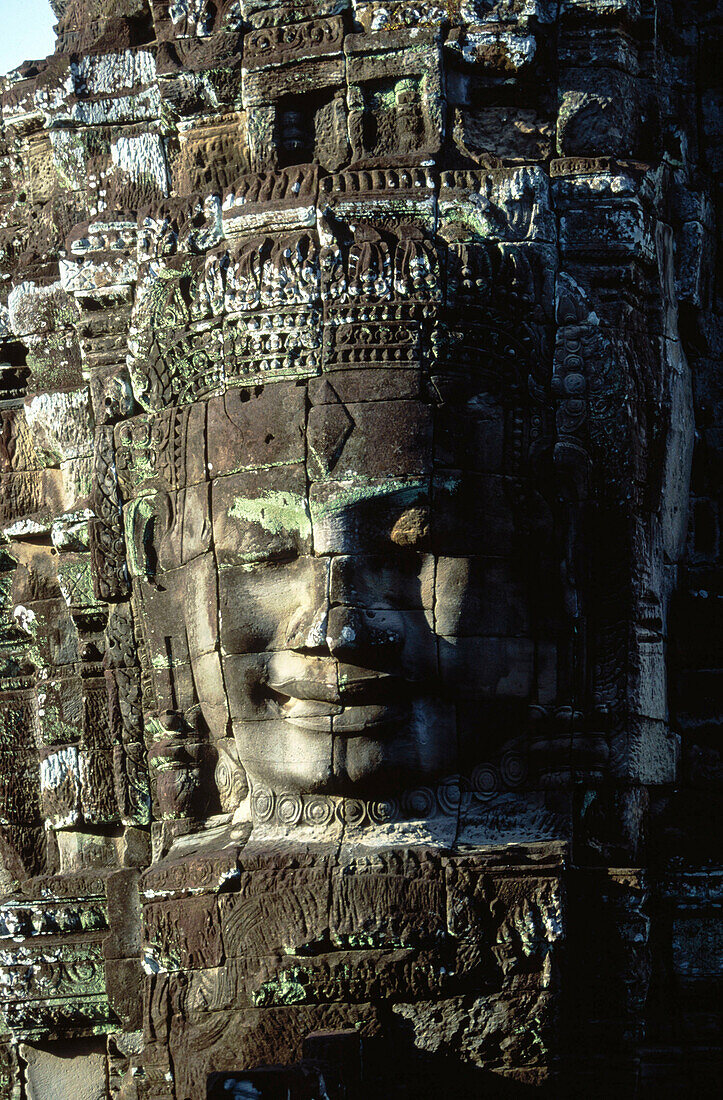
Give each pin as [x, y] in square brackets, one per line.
[230, 776]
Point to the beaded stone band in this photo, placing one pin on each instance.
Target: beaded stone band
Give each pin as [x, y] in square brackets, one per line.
[289, 808]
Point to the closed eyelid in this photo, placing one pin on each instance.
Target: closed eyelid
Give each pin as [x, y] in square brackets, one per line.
[233, 560]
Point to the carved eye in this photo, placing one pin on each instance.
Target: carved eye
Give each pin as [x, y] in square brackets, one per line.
[252, 560]
[282, 556]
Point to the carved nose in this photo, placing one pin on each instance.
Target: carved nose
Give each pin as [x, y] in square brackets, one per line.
[352, 632]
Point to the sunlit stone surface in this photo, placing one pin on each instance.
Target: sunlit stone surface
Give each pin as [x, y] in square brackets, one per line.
[359, 701]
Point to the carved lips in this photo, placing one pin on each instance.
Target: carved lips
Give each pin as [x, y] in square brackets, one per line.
[346, 704]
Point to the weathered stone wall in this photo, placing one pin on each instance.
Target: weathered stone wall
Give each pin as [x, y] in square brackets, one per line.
[359, 559]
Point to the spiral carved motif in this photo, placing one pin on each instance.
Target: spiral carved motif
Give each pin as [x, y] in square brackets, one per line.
[384, 811]
[262, 804]
[318, 811]
[485, 781]
[230, 779]
[351, 811]
[419, 802]
[289, 808]
[513, 768]
[449, 795]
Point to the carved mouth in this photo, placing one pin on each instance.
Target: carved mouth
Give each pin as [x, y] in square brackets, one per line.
[322, 716]
[308, 714]
[372, 719]
[351, 690]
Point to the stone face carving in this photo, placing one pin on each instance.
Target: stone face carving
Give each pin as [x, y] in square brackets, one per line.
[346, 426]
[335, 593]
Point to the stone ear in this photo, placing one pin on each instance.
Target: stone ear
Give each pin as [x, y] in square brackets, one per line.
[150, 520]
